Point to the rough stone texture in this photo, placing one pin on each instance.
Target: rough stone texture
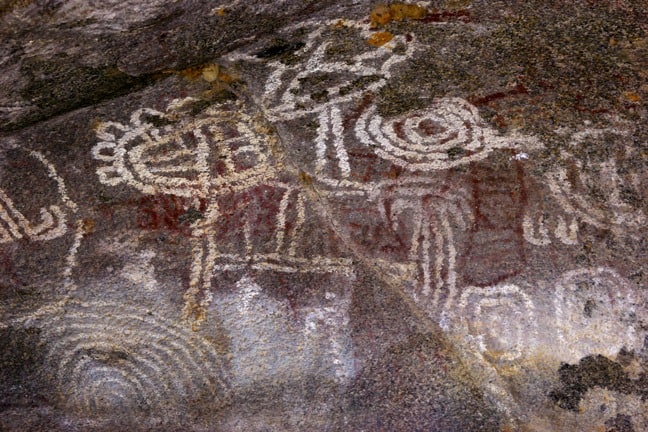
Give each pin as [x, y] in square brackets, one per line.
[253, 216]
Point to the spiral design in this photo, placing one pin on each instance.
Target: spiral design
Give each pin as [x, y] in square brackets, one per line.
[448, 133]
[108, 359]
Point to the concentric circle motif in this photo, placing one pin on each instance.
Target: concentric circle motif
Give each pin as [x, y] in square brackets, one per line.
[109, 359]
[597, 310]
[448, 133]
[499, 320]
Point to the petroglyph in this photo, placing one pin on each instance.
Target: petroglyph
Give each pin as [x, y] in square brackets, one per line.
[53, 219]
[195, 157]
[501, 319]
[448, 133]
[112, 359]
[584, 311]
[540, 232]
[602, 188]
[51, 226]
[324, 82]
[188, 157]
[432, 216]
[598, 311]
[321, 80]
[213, 156]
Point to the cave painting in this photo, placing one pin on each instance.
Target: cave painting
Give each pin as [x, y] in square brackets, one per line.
[17, 221]
[580, 312]
[220, 153]
[52, 221]
[390, 182]
[448, 133]
[110, 358]
[602, 188]
[414, 193]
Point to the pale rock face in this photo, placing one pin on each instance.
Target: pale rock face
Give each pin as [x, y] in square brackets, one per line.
[264, 332]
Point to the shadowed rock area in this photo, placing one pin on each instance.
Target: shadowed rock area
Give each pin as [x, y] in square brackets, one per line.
[296, 216]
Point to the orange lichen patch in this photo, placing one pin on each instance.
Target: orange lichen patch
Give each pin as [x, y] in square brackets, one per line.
[305, 179]
[192, 73]
[380, 15]
[88, 226]
[212, 73]
[379, 38]
[393, 173]
[226, 78]
[96, 124]
[632, 97]
[221, 11]
[401, 11]
[383, 14]
[196, 315]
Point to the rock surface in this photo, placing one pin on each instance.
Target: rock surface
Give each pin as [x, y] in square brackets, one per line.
[253, 216]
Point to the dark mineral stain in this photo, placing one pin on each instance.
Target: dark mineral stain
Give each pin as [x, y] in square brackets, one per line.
[620, 423]
[107, 357]
[495, 239]
[456, 152]
[519, 89]
[590, 305]
[594, 371]
[279, 48]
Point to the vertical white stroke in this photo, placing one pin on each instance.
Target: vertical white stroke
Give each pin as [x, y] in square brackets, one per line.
[452, 258]
[337, 130]
[281, 220]
[567, 234]
[60, 184]
[539, 237]
[71, 258]
[301, 218]
[323, 131]
[425, 252]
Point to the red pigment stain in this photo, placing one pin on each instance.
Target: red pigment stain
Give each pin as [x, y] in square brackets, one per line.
[485, 100]
[578, 106]
[355, 114]
[499, 201]
[435, 16]
[169, 212]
